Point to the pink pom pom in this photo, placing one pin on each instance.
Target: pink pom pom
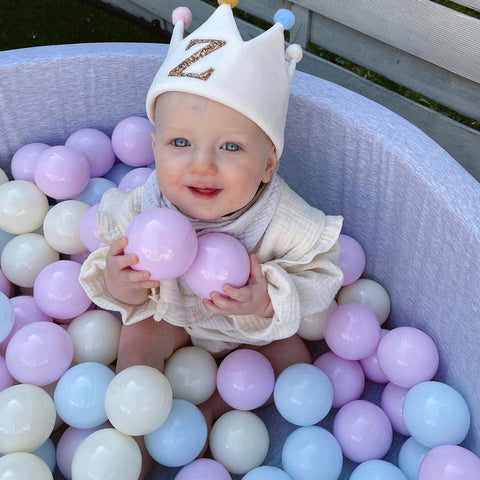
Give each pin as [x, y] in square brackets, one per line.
[184, 14]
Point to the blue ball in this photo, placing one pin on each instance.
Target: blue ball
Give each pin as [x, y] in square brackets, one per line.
[80, 394]
[436, 414]
[303, 394]
[117, 172]
[266, 473]
[312, 453]
[7, 316]
[94, 190]
[410, 456]
[46, 452]
[377, 470]
[180, 438]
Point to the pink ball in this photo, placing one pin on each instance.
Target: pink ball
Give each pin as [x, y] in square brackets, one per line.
[132, 141]
[352, 331]
[61, 172]
[221, 259]
[392, 404]
[164, 241]
[370, 364]
[97, 148]
[57, 290]
[184, 14]
[39, 353]
[363, 431]
[134, 178]
[352, 259]
[88, 228]
[407, 356]
[346, 376]
[6, 379]
[245, 379]
[25, 159]
[203, 469]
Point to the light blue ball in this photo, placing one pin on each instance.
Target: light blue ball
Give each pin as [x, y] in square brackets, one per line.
[94, 190]
[180, 438]
[312, 453]
[410, 456]
[47, 453]
[117, 172]
[436, 414]
[5, 237]
[80, 394]
[377, 470]
[303, 394]
[266, 473]
[7, 316]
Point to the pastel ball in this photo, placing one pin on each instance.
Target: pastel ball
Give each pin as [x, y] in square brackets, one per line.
[363, 431]
[267, 473]
[94, 190]
[203, 469]
[95, 336]
[23, 207]
[47, 453]
[245, 379]
[377, 470]
[88, 228]
[22, 465]
[7, 316]
[57, 290]
[134, 178]
[391, 402]
[39, 353]
[239, 440]
[97, 148]
[407, 356]
[6, 379]
[117, 172]
[180, 438]
[61, 226]
[27, 418]
[132, 141]
[221, 259]
[80, 394]
[368, 293]
[61, 172]
[25, 159]
[313, 327]
[25, 256]
[164, 241]
[3, 177]
[6, 286]
[192, 374]
[410, 457]
[436, 414]
[107, 453]
[352, 331]
[352, 259]
[303, 394]
[138, 400]
[449, 462]
[346, 376]
[312, 453]
[371, 366]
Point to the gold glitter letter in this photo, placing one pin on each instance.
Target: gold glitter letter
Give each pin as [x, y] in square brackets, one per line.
[179, 70]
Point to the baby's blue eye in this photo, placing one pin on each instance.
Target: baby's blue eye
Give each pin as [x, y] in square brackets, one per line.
[231, 147]
[180, 142]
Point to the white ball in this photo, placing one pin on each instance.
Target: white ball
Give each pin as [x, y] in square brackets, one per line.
[311, 328]
[24, 256]
[192, 373]
[22, 206]
[239, 441]
[61, 226]
[23, 466]
[27, 418]
[138, 400]
[370, 294]
[107, 453]
[95, 335]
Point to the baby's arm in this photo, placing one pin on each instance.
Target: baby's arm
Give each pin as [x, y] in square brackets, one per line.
[252, 299]
[124, 283]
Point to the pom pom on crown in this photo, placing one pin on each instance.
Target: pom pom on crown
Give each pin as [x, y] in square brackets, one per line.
[294, 52]
[232, 3]
[184, 14]
[285, 17]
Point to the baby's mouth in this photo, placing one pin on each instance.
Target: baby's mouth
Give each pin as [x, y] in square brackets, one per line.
[204, 192]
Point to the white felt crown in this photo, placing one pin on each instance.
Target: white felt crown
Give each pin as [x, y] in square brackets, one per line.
[252, 77]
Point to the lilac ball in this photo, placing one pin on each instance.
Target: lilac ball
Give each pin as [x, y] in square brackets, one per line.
[134, 178]
[88, 228]
[391, 402]
[117, 172]
[203, 469]
[352, 259]
[245, 379]
[25, 159]
[370, 364]
[221, 259]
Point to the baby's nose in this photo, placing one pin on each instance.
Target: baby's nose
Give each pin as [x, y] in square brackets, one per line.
[203, 162]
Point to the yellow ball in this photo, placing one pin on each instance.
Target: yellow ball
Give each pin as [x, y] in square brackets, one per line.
[232, 3]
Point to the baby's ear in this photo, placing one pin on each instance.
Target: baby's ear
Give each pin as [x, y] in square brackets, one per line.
[271, 165]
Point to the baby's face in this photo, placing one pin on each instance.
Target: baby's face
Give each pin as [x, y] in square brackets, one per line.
[210, 159]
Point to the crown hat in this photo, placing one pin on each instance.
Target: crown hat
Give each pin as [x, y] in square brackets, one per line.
[253, 77]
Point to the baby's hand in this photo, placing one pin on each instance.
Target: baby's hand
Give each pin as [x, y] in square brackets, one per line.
[253, 298]
[124, 283]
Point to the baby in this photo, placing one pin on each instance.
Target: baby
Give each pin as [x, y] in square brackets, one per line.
[219, 107]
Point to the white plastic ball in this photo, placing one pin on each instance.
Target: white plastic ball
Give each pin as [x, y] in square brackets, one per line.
[24, 466]
[138, 400]
[192, 373]
[61, 226]
[27, 418]
[22, 206]
[239, 441]
[311, 328]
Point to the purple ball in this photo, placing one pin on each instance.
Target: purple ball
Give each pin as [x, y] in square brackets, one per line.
[392, 404]
[370, 364]
[88, 228]
[221, 259]
[25, 159]
[245, 379]
[134, 178]
[203, 469]
[352, 259]
[164, 241]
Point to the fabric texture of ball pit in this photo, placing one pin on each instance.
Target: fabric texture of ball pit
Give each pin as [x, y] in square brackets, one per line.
[407, 202]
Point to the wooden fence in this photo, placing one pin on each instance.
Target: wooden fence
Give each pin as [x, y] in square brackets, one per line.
[424, 46]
